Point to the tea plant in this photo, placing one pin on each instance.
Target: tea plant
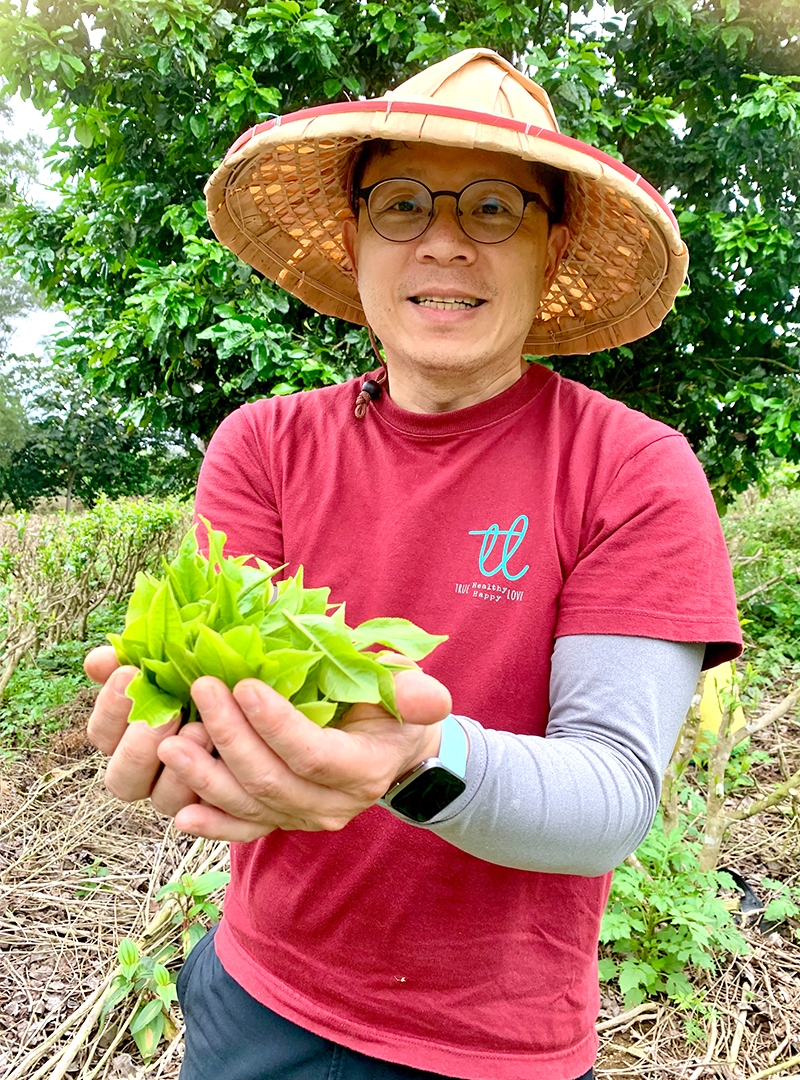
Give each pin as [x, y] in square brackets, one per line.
[56, 571]
[191, 894]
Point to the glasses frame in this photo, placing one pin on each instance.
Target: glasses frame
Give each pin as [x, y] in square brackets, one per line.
[527, 197]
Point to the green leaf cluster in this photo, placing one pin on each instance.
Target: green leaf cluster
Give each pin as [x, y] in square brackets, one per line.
[764, 540]
[191, 894]
[224, 617]
[785, 904]
[664, 918]
[147, 979]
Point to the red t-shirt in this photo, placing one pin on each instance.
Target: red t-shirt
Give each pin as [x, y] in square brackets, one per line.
[548, 510]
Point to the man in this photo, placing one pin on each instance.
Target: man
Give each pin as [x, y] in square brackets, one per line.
[567, 545]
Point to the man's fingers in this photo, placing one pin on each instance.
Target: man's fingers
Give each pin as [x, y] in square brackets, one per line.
[213, 824]
[170, 793]
[134, 767]
[100, 663]
[261, 769]
[421, 699]
[109, 720]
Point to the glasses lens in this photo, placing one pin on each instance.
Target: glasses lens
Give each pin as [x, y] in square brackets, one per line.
[399, 209]
[490, 210]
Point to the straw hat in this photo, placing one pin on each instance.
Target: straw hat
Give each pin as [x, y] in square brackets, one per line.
[279, 198]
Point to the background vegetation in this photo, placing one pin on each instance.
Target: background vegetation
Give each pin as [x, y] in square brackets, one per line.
[701, 98]
[167, 332]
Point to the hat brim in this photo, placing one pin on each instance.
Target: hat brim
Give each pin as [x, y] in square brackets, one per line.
[280, 196]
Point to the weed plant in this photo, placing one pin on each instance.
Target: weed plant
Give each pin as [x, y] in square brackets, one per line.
[664, 917]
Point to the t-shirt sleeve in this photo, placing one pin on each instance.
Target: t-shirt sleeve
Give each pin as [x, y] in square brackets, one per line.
[234, 489]
[652, 560]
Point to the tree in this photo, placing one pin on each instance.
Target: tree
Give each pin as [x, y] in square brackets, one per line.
[19, 165]
[702, 98]
[73, 444]
[12, 422]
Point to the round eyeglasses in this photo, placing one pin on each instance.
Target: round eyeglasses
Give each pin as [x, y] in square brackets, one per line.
[488, 211]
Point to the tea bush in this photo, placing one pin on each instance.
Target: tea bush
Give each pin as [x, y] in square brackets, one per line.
[64, 580]
[764, 541]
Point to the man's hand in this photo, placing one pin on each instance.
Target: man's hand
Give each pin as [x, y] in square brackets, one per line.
[278, 770]
[135, 770]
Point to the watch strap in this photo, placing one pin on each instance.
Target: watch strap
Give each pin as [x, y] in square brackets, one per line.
[454, 749]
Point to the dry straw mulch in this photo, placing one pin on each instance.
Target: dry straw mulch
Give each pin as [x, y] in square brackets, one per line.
[61, 923]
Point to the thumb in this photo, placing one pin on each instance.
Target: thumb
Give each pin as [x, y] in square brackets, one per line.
[421, 699]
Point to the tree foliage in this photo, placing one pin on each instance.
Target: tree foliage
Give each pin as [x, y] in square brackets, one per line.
[146, 95]
[19, 165]
[72, 443]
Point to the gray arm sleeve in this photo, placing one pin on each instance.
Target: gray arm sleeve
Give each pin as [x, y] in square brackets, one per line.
[582, 798]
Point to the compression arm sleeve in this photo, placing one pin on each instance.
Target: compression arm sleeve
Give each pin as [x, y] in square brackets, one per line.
[583, 797]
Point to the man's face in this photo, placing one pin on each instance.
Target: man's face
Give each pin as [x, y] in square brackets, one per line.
[503, 283]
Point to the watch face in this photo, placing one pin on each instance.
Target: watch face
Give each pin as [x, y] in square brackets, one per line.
[428, 794]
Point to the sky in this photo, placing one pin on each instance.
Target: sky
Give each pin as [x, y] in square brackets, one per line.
[31, 329]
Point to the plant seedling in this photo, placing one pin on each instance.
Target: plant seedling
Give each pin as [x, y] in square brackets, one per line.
[224, 617]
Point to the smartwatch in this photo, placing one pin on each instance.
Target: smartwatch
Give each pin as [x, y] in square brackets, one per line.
[419, 795]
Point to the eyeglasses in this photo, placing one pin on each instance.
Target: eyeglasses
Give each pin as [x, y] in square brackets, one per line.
[488, 211]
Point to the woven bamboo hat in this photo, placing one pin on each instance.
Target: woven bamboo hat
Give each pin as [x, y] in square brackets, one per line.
[279, 198]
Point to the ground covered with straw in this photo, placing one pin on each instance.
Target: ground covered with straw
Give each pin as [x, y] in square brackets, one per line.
[79, 871]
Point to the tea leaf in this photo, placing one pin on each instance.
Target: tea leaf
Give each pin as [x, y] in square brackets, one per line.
[315, 601]
[150, 704]
[246, 641]
[142, 597]
[286, 670]
[164, 621]
[215, 657]
[321, 712]
[344, 674]
[183, 662]
[398, 634]
[167, 677]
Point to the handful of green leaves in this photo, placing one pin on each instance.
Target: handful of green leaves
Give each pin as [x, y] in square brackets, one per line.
[223, 617]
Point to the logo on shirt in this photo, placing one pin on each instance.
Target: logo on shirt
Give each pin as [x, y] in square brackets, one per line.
[494, 558]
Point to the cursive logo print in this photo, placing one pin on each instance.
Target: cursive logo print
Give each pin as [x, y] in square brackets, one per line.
[512, 538]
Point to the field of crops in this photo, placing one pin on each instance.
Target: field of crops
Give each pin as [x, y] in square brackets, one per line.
[99, 901]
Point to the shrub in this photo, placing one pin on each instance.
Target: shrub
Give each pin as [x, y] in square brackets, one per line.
[664, 916]
[56, 571]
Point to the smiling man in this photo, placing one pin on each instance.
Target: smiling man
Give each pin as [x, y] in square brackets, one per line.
[455, 291]
[424, 900]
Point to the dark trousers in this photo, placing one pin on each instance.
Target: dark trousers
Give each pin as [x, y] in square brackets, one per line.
[231, 1036]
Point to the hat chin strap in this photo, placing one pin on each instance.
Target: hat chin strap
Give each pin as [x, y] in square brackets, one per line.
[372, 388]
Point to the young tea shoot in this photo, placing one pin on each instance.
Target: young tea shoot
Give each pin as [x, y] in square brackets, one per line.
[224, 617]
